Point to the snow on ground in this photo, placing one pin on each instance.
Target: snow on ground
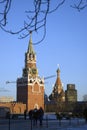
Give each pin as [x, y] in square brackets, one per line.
[83, 127]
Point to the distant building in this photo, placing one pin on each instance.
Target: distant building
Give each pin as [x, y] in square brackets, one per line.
[58, 93]
[30, 87]
[71, 93]
[6, 99]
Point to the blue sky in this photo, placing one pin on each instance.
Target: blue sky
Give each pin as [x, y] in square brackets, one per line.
[65, 44]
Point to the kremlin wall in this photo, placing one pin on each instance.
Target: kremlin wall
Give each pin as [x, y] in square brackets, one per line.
[30, 90]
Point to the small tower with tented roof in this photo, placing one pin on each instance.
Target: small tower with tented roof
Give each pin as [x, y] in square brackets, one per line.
[58, 93]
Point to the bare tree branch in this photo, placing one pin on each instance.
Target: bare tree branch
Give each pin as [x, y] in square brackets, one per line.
[80, 5]
[36, 18]
[6, 5]
[57, 6]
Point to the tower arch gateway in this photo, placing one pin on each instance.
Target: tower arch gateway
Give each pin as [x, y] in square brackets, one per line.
[30, 87]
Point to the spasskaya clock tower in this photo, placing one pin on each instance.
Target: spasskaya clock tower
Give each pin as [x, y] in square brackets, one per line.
[30, 87]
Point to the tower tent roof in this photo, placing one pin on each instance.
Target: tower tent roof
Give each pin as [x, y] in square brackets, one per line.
[30, 46]
[58, 80]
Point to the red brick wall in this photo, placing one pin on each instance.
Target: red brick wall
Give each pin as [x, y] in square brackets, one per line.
[35, 96]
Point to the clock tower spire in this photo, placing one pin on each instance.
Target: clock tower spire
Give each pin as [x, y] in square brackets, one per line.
[30, 46]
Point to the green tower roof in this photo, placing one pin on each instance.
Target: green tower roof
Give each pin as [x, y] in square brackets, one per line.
[30, 46]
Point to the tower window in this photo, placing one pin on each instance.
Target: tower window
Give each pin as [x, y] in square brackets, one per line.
[30, 81]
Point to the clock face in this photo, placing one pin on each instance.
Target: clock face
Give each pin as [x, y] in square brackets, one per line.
[34, 71]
